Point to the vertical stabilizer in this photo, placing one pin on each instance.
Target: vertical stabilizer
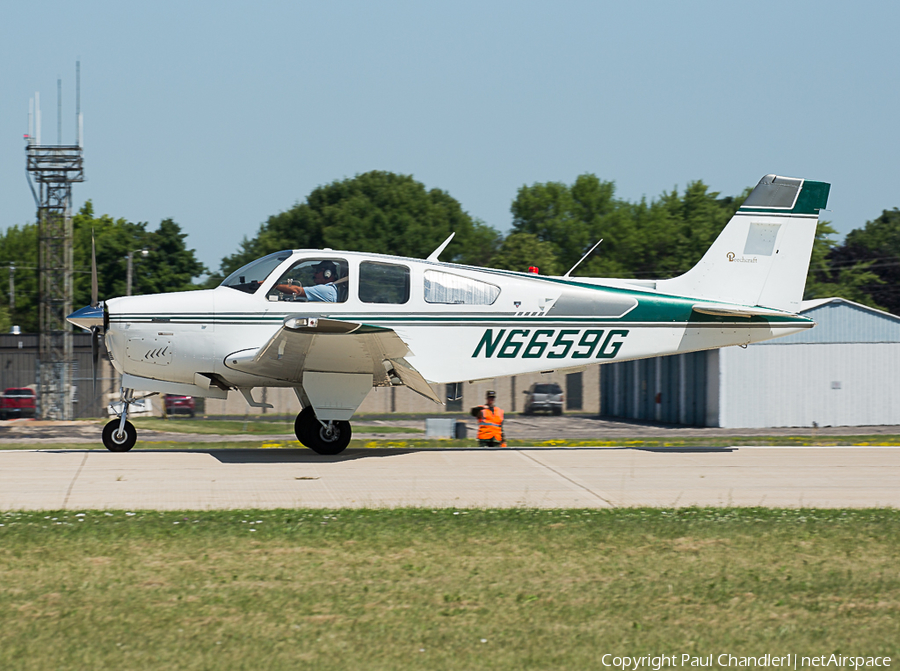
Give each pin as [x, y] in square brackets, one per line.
[762, 256]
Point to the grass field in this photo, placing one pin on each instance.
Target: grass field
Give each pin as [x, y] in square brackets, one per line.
[442, 589]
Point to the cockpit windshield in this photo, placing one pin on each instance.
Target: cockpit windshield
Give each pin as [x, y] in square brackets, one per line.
[254, 274]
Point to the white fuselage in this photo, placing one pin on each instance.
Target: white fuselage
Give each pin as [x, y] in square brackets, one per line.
[460, 323]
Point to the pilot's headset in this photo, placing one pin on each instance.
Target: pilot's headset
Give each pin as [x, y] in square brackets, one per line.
[328, 270]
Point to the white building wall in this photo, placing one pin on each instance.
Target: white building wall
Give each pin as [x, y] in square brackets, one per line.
[837, 384]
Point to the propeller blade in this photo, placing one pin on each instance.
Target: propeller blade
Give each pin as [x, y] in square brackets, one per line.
[95, 353]
[94, 290]
[96, 331]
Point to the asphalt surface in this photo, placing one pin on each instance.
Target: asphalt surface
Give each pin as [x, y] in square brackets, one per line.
[204, 479]
[66, 471]
[537, 428]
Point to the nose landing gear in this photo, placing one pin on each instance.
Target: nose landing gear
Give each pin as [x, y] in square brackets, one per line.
[119, 435]
[119, 439]
[322, 437]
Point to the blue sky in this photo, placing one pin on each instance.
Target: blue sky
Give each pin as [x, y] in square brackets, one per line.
[220, 114]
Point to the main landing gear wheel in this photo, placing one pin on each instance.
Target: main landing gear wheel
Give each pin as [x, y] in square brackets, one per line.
[304, 421]
[328, 439]
[119, 442]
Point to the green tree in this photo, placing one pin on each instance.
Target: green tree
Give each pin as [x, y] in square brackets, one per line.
[569, 219]
[170, 266]
[378, 212]
[654, 239]
[825, 279]
[872, 253]
[519, 251]
[18, 251]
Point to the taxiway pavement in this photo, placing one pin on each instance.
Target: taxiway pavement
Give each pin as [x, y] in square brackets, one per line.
[580, 477]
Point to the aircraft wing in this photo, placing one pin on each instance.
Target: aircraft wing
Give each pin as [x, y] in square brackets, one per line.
[332, 346]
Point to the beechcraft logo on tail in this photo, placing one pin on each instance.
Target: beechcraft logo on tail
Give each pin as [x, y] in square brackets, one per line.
[733, 259]
[550, 343]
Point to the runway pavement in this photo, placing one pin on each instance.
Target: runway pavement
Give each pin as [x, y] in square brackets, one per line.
[589, 477]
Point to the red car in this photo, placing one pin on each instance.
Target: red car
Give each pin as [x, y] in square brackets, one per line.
[179, 404]
[17, 402]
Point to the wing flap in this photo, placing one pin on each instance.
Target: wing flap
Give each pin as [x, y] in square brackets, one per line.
[414, 380]
[332, 346]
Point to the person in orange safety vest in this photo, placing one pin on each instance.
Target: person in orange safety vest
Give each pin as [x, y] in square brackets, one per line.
[490, 422]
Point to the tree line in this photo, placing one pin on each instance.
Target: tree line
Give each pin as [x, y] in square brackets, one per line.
[553, 225]
[168, 265]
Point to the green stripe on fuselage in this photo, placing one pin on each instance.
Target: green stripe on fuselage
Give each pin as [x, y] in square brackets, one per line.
[651, 308]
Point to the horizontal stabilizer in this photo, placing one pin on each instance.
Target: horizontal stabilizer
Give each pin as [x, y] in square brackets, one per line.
[722, 310]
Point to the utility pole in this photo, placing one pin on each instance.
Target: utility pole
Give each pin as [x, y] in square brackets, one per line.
[130, 270]
[12, 288]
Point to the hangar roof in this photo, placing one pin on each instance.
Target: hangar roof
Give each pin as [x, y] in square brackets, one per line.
[841, 321]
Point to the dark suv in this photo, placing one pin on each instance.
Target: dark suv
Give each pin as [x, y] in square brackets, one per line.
[547, 396]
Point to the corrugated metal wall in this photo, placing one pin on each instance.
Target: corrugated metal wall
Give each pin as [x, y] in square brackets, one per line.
[671, 389]
[837, 384]
[18, 360]
[18, 357]
[843, 372]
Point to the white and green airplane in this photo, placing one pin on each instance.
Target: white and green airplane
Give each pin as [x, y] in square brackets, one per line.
[332, 325]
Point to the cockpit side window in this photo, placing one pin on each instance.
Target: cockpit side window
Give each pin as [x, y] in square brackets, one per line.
[458, 290]
[248, 278]
[314, 280]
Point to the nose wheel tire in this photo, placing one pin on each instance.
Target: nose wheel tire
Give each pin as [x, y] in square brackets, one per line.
[119, 442]
[328, 440]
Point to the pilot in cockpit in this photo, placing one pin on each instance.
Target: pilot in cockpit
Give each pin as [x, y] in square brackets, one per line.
[324, 276]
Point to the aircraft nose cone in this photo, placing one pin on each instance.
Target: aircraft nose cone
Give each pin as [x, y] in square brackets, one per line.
[87, 317]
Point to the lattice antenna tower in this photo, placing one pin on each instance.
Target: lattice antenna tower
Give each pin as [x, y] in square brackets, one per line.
[51, 170]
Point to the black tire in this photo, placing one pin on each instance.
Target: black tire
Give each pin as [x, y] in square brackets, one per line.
[119, 444]
[303, 424]
[557, 411]
[318, 438]
[328, 443]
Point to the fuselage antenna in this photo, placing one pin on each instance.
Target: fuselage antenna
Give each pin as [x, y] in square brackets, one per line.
[437, 252]
[583, 257]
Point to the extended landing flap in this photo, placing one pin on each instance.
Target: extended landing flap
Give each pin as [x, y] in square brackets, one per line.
[413, 379]
[331, 346]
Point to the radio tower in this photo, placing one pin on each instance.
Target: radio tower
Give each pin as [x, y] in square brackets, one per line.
[54, 168]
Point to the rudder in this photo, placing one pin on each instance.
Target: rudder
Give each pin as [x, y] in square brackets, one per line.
[762, 256]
